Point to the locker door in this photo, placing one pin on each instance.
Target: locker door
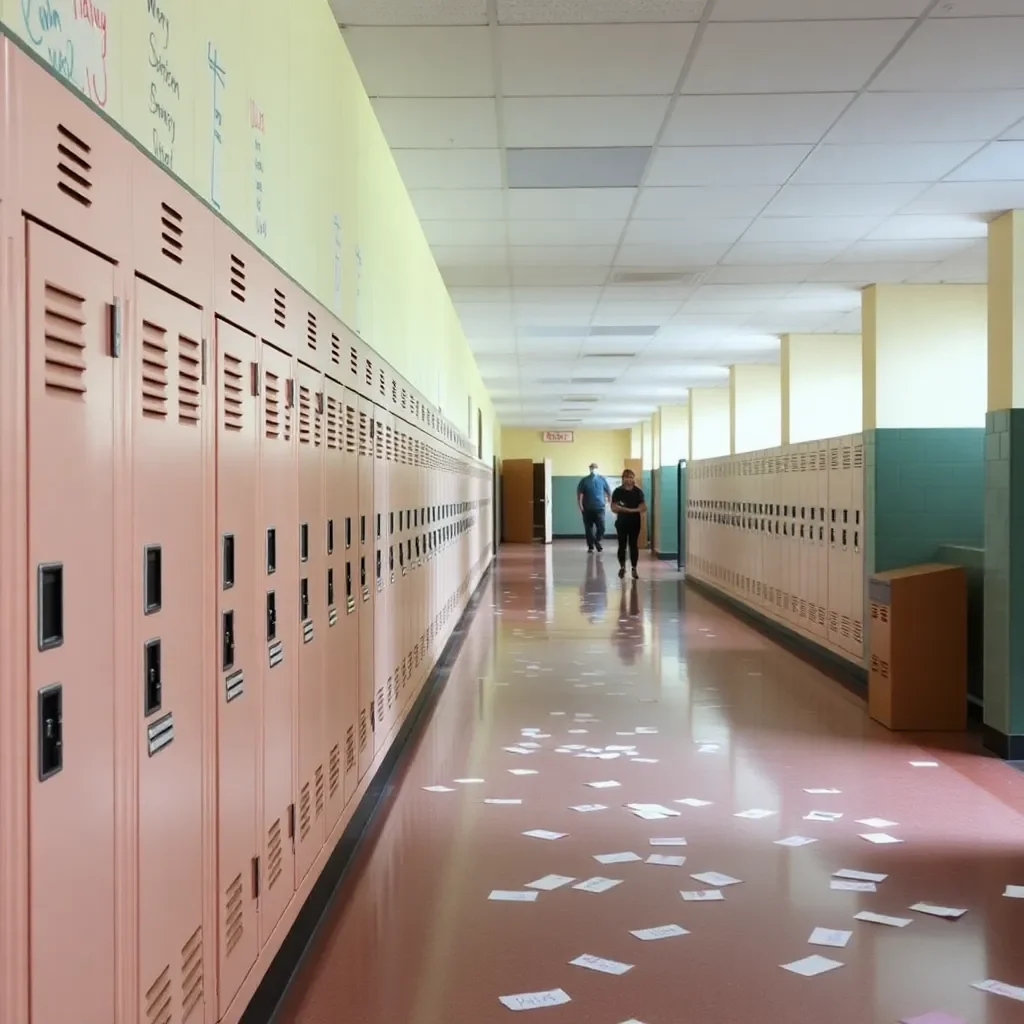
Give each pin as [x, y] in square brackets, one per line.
[821, 550]
[382, 667]
[169, 411]
[349, 679]
[278, 552]
[836, 500]
[341, 638]
[71, 457]
[857, 546]
[237, 655]
[312, 779]
[364, 595]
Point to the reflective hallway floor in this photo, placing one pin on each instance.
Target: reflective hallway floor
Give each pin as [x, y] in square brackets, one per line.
[716, 713]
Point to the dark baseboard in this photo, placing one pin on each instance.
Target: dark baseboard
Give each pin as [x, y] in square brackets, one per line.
[299, 940]
[667, 556]
[1009, 748]
[853, 677]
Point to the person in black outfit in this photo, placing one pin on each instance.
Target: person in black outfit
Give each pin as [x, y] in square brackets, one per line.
[628, 505]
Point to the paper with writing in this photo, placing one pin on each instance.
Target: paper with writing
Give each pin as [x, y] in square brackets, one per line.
[665, 931]
[829, 937]
[598, 884]
[512, 896]
[872, 918]
[596, 963]
[535, 1000]
[550, 882]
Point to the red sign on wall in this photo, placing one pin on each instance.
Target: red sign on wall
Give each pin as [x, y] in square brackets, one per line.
[557, 436]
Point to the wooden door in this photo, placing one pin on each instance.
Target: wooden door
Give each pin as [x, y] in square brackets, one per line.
[517, 500]
[637, 466]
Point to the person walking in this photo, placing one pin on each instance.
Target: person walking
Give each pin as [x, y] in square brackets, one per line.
[628, 505]
[592, 494]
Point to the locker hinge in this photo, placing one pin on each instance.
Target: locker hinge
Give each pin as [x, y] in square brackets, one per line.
[115, 329]
[291, 821]
[255, 378]
[203, 370]
[290, 394]
[255, 878]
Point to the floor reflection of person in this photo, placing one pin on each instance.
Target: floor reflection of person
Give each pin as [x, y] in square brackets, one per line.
[594, 591]
[629, 506]
[628, 636]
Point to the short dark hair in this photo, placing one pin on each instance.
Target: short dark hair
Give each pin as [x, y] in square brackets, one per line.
[628, 472]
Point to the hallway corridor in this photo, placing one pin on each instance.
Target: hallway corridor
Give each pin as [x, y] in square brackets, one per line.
[569, 678]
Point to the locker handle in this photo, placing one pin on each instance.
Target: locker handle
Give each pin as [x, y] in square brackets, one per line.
[153, 682]
[271, 551]
[304, 542]
[115, 329]
[51, 731]
[330, 588]
[291, 821]
[255, 878]
[152, 582]
[271, 616]
[228, 561]
[330, 536]
[832, 536]
[303, 599]
[228, 641]
[856, 540]
[50, 606]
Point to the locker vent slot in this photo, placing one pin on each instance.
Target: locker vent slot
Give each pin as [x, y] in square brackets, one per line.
[364, 435]
[275, 854]
[64, 320]
[318, 421]
[350, 430]
[350, 749]
[333, 424]
[334, 770]
[858, 631]
[73, 166]
[275, 653]
[369, 372]
[335, 350]
[154, 371]
[353, 359]
[158, 999]
[234, 686]
[234, 916]
[192, 975]
[234, 382]
[190, 375]
[394, 393]
[363, 736]
[304, 813]
[279, 308]
[380, 704]
[319, 790]
[305, 416]
[237, 278]
[311, 331]
[172, 233]
[160, 734]
[382, 383]
[272, 405]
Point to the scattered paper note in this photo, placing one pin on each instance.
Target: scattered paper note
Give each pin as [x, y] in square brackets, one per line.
[953, 913]
[557, 713]
[1015, 892]
[502, 800]
[598, 884]
[587, 808]
[693, 802]
[829, 937]
[851, 885]
[860, 876]
[1000, 988]
[550, 882]
[645, 730]
[715, 879]
[540, 833]
[619, 747]
[644, 760]
[665, 931]
[469, 782]
[596, 963]
[573, 746]
[669, 861]
[616, 858]
[872, 918]
[795, 841]
[535, 1000]
[924, 764]
[608, 756]
[702, 895]
[823, 792]
[607, 784]
[708, 748]
[668, 841]
[517, 750]
[529, 746]
[823, 816]
[756, 814]
[880, 838]
[811, 966]
[578, 732]
[667, 812]
[439, 789]
[522, 771]
[513, 896]
[877, 823]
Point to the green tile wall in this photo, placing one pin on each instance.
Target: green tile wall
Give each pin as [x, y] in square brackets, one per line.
[566, 520]
[669, 504]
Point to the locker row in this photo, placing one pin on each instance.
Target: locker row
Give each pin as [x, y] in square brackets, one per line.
[248, 541]
[782, 530]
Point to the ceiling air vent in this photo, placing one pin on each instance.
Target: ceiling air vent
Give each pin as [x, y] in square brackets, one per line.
[580, 398]
[608, 355]
[669, 277]
[640, 331]
[593, 380]
[551, 380]
[560, 420]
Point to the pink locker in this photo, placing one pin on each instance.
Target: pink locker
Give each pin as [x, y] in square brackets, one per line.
[362, 551]
[278, 551]
[348, 677]
[238, 709]
[169, 413]
[312, 770]
[382, 661]
[341, 635]
[73, 336]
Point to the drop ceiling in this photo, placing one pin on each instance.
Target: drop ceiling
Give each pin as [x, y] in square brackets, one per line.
[627, 196]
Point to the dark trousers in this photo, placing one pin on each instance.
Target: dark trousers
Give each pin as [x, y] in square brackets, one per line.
[593, 525]
[628, 530]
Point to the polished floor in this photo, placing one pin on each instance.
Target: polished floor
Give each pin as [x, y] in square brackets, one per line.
[562, 654]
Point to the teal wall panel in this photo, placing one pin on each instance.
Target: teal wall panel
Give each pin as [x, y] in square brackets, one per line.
[668, 510]
[565, 512]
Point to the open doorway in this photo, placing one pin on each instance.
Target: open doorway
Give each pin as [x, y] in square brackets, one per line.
[538, 502]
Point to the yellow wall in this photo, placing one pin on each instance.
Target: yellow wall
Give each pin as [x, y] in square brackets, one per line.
[710, 422]
[674, 421]
[1006, 312]
[755, 407]
[822, 386]
[210, 87]
[608, 448]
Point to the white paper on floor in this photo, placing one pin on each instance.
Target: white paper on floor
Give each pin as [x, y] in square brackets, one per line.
[562, 750]
[811, 966]
[517, 750]
[644, 760]
[587, 808]
[598, 884]
[953, 913]
[633, 733]
[439, 789]
[693, 802]
[880, 838]
[795, 841]
[1000, 988]
[540, 833]
[851, 885]
[608, 756]
[618, 747]
[616, 858]
[671, 861]
[924, 764]
[578, 732]
[585, 753]
[708, 748]
[596, 963]
[823, 792]
[702, 896]
[872, 918]
[668, 841]
[665, 931]
[573, 746]
[522, 771]
[606, 784]
[1015, 892]
[645, 730]
[502, 800]
[860, 876]
[877, 823]
[755, 814]
[470, 782]
[535, 1000]
[829, 937]
[556, 714]
[654, 809]
[529, 746]
[513, 896]
[550, 882]
[715, 879]
[823, 816]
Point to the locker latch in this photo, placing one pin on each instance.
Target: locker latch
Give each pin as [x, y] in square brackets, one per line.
[153, 682]
[320, 402]
[51, 731]
[115, 329]
[254, 382]
[290, 393]
[255, 878]
[228, 641]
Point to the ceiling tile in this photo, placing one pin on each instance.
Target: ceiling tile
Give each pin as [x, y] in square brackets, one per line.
[588, 60]
[475, 276]
[799, 10]
[685, 232]
[464, 232]
[860, 275]
[410, 12]
[571, 203]
[449, 168]
[903, 117]
[594, 12]
[882, 163]
[565, 232]
[543, 296]
[753, 120]
[707, 201]
[782, 273]
[496, 295]
[638, 293]
[541, 276]
[562, 255]
[998, 161]
[959, 53]
[458, 204]
[976, 8]
[670, 255]
[806, 56]
[469, 255]
[810, 229]
[535, 314]
[438, 124]
[920, 226]
[912, 251]
[583, 121]
[842, 200]
[739, 293]
[625, 313]
[725, 165]
[783, 252]
[423, 61]
[616, 167]
[983, 197]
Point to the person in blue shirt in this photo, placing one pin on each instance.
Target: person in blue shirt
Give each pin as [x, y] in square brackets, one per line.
[592, 494]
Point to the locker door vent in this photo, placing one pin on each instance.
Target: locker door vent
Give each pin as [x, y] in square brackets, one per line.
[390, 693]
[363, 736]
[305, 416]
[318, 421]
[64, 320]
[234, 916]
[237, 278]
[364, 435]
[192, 975]
[280, 308]
[73, 167]
[333, 424]
[272, 405]
[154, 371]
[383, 383]
[380, 444]
[380, 704]
[172, 234]
[858, 631]
[311, 331]
[350, 749]
[275, 854]
[319, 777]
[353, 360]
[858, 456]
[369, 372]
[394, 393]
[335, 350]
[304, 812]
[190, 375]
[233, 390]
[350, 431]
[334, 770]
[158, 999]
